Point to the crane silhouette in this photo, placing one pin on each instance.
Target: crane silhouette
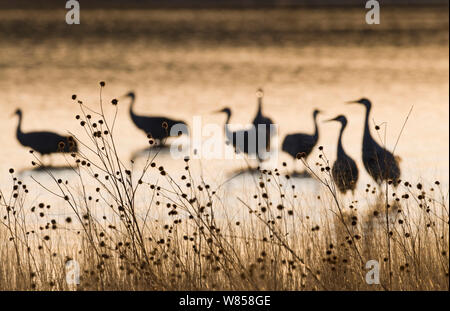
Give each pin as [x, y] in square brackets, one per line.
[300, 144]
[44, 142]
[262, 122]
[245, 141]
[159, 128]
[380, 163]
[344, 170]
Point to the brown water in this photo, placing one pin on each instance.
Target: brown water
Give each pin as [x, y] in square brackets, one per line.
[189, 63]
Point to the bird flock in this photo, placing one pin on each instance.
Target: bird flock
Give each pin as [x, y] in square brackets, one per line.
[379, 163]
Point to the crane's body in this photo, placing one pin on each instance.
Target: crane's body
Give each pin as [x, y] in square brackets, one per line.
[244, 141]
[301, 144]
[154, 125]
[45, 142]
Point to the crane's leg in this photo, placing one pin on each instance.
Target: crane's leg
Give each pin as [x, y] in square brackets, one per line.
[305, 172]
[301, 173]
[295, 171]
[43, 160]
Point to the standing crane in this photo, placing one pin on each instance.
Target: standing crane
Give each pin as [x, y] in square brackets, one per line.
[155, 126]
[344, 170]
[44, 142]
[261, 122]
[243, 141]
[381, 164]
[299, 144]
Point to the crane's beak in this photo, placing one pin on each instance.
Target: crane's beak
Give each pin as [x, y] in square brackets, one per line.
[124, 96]
[335, 119]
[352, 102]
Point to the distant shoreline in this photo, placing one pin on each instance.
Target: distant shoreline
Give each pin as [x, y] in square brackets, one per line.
[216, 4]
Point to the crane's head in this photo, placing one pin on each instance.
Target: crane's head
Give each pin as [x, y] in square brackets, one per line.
[130, 95]
[339, 118]
[225, 110]
[316, 112]
[18, 112]
[259, 93]
[362, 101]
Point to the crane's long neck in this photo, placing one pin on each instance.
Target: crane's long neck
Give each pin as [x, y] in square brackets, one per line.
[260, 100]
[19, 132]
[340, 148]
[367, 137]
[133, 98]
[228, 133]
[316, 128]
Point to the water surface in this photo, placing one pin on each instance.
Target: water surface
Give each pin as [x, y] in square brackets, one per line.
[187, 63]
